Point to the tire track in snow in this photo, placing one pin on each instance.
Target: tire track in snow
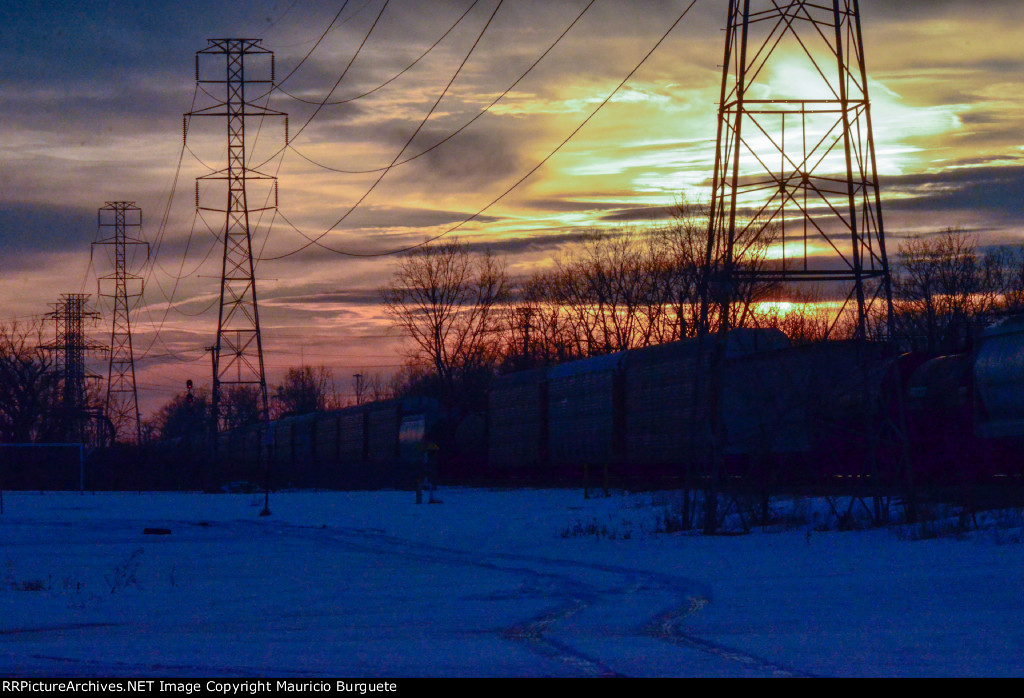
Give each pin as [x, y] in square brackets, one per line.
[576, 595]
[532, 634]
[666, 627]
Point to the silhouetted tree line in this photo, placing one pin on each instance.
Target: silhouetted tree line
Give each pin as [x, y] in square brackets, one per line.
[469, 320]
[32, 406]
[29, 385]
[304, 389]
[947, 289]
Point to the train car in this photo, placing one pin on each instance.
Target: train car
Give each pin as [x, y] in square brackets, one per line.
[999, 376]
[517, 425]
[999, 399]
[352, 445]
[586, 414]
[817, 414]
[666, 399]
[809, 414]
[665, 407]
[939, 406]
[634, 415]
[303, 468]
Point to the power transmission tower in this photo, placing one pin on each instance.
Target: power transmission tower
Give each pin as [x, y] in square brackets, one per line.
[238, 351]
[120, 225]
[795, 176]
[70, 346]
[795, 155]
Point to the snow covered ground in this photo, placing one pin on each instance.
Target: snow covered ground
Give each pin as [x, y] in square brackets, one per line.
[489, 583]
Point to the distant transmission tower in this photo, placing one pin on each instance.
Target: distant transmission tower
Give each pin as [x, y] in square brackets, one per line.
[238, 351]
[70, 346]
[796, 154]
[120, 225]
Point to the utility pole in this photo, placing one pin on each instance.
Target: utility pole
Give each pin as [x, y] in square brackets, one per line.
[359, 387]
[525, 315]
[795, 171]
[70, 346]
[120, 225]
[228, 67]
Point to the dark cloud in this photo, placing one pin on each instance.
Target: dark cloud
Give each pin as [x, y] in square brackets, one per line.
[981, 117]
[641, 214]
[996, 190]
[360, 297]
[44, 227]
[570, 206]
[543, 242]
[879, 10]
[98, 116]
[100, 41]
[982, 161]
[386, 218]
[468, 161]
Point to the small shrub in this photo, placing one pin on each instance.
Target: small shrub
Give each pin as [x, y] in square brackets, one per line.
[1003, 537]
[671, 520]
[672, 515]
[597, 529]
[931, 529]
[32, 585]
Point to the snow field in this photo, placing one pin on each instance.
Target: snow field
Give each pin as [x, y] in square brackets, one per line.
[489, 583]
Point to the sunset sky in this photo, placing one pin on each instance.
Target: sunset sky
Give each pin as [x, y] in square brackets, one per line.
[94, 93]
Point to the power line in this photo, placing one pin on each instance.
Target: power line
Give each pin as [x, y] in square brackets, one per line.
[157, 245]
[465, 125]
[336, 25]
[336, 83]
[316, 240]
[404, 147]
[390, 80]
[315, 45]
[281, 16]
[397, 161]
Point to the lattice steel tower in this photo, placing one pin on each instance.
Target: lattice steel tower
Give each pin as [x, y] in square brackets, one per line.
[238, 351]
[795, 151]
[70, 344]
[119, 225]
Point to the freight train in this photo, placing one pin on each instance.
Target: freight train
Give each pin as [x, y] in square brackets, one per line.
[822, 415]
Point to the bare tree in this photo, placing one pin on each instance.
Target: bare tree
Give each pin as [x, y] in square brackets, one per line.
[1012, 263]
[804, 316]
[304, 389]
[378, 387]
[626, 289]
[28, 383]
[943, 287]
[449, 302]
